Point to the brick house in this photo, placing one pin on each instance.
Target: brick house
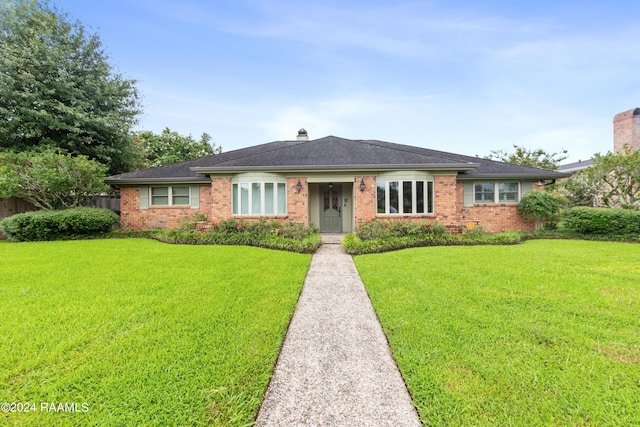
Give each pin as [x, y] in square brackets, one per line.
[331, 182]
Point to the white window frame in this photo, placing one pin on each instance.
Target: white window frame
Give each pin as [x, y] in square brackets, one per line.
[169, 195]
[496, 193]
[427, 202]
[236, 196]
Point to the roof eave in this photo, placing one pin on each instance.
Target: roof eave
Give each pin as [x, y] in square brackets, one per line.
[547, 175]
[335, 168]
[174, 180]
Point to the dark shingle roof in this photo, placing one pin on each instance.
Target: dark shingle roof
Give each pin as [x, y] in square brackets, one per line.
[331, 153]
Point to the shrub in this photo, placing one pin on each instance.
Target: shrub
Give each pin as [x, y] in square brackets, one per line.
[539, 205]
[384, 229]
[353, 245]
[602, 221]
[54, 225]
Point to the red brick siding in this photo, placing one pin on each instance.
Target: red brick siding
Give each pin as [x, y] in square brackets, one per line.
[297, 203]
[494, 218]
[134, 218]
[365, 206]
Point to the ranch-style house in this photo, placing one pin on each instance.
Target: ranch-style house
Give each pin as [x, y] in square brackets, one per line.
[334, 183]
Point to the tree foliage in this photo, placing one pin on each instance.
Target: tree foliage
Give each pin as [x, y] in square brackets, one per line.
[580, 190]
[538, 158]
[50, 180]
[171, 147]
[57, 88]
[618, 178]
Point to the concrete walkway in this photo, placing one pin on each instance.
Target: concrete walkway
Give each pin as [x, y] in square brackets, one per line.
[335, 367]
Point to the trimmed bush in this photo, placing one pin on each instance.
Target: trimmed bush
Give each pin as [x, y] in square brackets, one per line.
[291, 237]
[385, 229]
[353, 245]
[602, 221]
[56, 225]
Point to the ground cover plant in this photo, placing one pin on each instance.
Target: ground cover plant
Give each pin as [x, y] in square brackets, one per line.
[142, 332]
[542, 333]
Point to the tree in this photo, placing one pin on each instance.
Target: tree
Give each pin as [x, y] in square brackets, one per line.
[579, 190]
[171, 147]
[525, 157]
[50, 180]
[57, 88]
[539, 205]
[617, 177]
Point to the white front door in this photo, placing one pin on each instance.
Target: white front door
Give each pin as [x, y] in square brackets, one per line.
[330, 209]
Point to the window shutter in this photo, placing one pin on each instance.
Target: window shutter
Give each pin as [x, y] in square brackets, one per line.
[468, 194]
[526, 187]
[144, 196]
[195, 197]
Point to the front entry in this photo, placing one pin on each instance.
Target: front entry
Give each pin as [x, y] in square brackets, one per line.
[330, 208]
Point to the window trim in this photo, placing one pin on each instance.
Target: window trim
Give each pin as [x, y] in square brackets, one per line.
[428, 196]
[496, 193]
[237, 205]
[169, 196]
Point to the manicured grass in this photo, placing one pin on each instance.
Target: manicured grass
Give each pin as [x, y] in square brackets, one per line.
[542, 333]
[144, 332]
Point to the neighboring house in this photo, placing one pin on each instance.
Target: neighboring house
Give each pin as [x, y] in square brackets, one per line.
[334, 183]
[574, 168]
[626, 133]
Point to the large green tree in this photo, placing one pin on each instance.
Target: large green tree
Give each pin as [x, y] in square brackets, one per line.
[170, 147]
[58, 89]
[523, 156]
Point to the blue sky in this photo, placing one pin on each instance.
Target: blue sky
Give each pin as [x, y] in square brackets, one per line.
[461, 76]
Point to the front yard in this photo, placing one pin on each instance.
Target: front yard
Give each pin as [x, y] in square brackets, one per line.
[542, 333]
[137, 332]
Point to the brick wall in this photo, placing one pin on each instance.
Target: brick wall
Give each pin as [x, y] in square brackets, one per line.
[494, 218]
[297, 203]
[364, 202]
[134, 218]
[626, 130]
[221, 203]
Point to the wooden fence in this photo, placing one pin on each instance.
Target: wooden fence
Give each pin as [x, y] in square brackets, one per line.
[13, 205]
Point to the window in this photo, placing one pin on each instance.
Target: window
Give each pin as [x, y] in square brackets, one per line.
[508, 191]
[405, 197]
[496, 192]
[259, 198]
[485, 192]
[170, 196]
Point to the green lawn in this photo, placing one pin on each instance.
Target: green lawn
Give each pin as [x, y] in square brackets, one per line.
[543, 333]
[142, 332]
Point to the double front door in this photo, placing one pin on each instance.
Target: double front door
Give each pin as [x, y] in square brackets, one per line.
[330, 209]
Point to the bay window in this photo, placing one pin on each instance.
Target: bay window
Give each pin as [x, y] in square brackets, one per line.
[405, 197]
[259, 198]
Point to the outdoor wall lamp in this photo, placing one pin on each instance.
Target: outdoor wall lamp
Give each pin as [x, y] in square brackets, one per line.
[331, 186]
[298, 186]
[362, 185]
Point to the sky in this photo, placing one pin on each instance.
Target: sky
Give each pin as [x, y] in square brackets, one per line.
[461, 76]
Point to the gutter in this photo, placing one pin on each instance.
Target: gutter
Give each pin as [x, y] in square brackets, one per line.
[336, 168]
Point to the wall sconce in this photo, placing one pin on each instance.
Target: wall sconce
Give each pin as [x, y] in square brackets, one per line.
[298, 186]
[539, 182]
[331, 186]
[362, 185]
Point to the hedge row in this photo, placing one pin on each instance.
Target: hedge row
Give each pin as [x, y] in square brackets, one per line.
[353, 245]
[305, 245]
[55, 225]
[602, 221]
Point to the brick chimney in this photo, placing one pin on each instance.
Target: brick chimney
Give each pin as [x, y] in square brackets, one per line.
[626, 130]
[302, 135]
